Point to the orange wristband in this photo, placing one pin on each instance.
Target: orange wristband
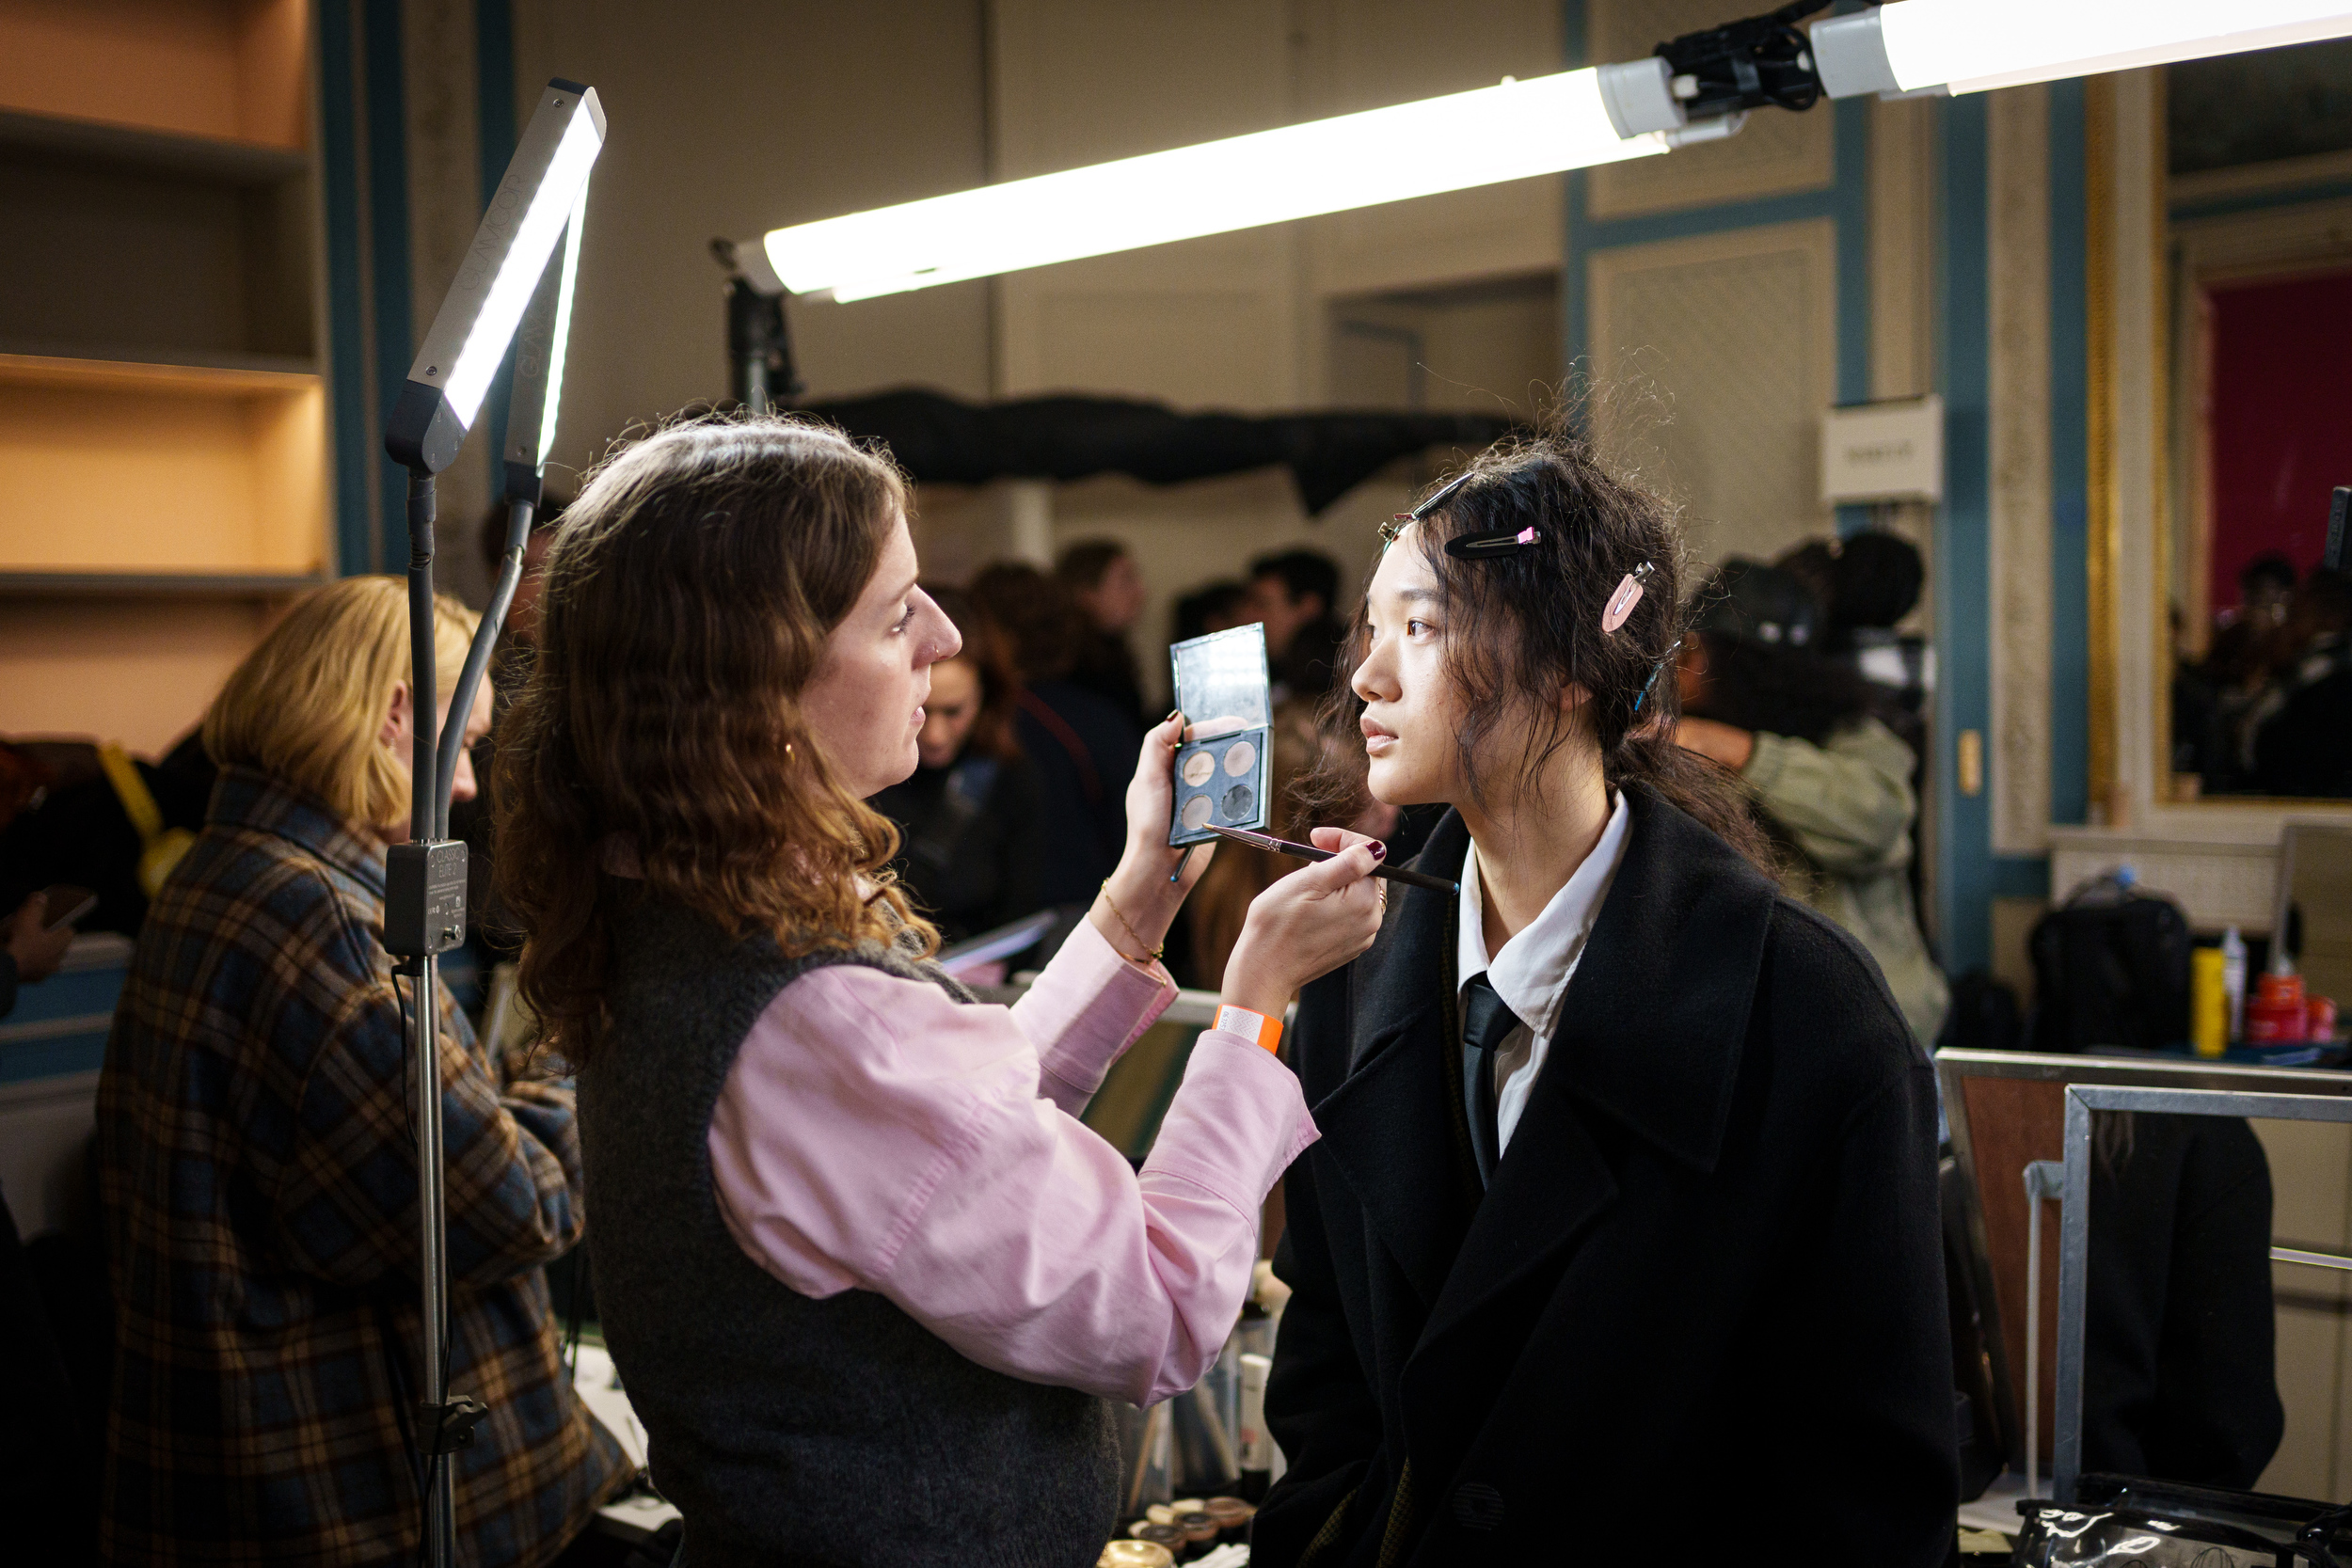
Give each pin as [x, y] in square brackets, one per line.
[1251, 1025]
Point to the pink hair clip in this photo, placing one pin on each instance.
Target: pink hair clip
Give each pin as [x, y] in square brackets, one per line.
[1629, 595]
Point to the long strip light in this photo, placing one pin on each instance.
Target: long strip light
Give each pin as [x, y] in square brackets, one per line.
[541, 345]
[1965, 46]
[1511, 132]
[1545, 125]
[525, 219]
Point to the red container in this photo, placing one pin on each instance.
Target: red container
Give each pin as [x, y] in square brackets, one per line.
[2319, 1020]
[2275, 1013]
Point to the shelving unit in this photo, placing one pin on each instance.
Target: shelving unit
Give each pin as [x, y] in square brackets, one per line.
[164, 446]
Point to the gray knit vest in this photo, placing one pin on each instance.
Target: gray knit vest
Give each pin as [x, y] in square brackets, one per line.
[788, 1429]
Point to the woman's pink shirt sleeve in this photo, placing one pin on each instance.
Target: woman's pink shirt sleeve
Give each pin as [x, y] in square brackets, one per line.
[874, 1135]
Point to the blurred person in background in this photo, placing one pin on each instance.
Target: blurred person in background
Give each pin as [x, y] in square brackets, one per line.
[1080, 744]
[1874, 583]
[2301, 729]
[1292, 594]
[2221, 700]
[970, 826]
[1832, 783]
[1213, 606]
[258, 1162]
[33, 949]
[105, 821]
[1107, 587]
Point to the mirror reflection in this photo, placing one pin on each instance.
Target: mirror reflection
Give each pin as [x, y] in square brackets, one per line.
[2261, 263]
[2215, 1350]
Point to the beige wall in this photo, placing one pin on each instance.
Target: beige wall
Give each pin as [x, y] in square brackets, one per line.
[728, 119]
[731, 120]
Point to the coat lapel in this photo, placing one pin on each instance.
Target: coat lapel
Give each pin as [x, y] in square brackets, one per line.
[1649, 1036]
[1393, 1126]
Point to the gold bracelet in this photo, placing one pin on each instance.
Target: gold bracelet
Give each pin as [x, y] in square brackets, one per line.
[1133, 935]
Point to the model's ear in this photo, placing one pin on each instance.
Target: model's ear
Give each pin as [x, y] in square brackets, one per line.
[396, 726]
[1573, 695]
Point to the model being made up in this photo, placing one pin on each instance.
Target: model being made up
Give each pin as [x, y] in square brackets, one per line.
[1625, 1207]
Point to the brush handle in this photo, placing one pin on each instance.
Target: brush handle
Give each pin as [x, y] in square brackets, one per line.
[1309, 852]
[1416, 878]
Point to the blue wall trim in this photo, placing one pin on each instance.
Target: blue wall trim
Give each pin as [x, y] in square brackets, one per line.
[388, 233]
[1853, 200]
[357, 544]
[1964, 882]
[2070, 465]
[1795, 207]
[2021, 877]
[1852, 204]
[1573, 303]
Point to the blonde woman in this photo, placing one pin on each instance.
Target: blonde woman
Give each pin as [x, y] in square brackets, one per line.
[259, 1169]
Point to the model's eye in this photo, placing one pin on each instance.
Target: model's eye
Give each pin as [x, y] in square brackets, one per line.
[906, 614]
[1418, 628]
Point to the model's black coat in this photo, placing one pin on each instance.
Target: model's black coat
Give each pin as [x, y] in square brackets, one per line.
[1702, 1306]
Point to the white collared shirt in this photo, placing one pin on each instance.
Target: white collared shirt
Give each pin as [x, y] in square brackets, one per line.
[1531, 974]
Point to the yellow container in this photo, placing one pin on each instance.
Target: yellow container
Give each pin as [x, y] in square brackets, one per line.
[2208, 1001]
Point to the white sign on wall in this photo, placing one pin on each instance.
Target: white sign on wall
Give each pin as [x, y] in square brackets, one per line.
[1883, 451]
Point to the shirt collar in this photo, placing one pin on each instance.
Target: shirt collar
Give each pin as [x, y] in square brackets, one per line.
[248, 798]
[1531, 974]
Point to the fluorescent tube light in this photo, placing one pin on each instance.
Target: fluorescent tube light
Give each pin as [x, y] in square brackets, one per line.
[1511, 132]
[1974, 45]
[509, 256]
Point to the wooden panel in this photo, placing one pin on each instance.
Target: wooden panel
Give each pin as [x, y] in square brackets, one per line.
[155, 468]
[140, 672]
[2011, 1122]
[1370, 53]
[227, 69]
[1719, 356]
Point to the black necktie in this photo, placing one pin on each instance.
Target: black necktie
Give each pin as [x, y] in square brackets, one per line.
[1487, 1023]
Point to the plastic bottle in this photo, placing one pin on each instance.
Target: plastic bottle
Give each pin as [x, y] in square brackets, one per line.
[2208, 1001]
[2234, 981]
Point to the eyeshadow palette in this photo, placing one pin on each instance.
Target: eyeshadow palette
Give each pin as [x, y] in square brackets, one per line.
[1221, 769]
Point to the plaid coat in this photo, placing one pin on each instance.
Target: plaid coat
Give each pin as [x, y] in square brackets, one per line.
[259, 1179]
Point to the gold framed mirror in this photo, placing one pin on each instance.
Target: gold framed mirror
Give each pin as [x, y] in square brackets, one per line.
[2219, 251]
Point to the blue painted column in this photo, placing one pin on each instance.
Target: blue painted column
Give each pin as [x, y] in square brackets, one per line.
[2070, 465]
[1962, 577]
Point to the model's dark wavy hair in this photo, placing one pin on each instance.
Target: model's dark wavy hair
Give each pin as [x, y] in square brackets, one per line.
[1523, 626]
[688, 598]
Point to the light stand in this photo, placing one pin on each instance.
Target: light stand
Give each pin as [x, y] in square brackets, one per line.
[759, 341]
[505, 272]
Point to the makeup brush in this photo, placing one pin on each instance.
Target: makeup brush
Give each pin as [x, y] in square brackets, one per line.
[1309, 852]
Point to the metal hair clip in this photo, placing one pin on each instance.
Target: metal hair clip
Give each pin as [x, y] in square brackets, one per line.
[1628, 594]
[1402, 520]
[1493, 542]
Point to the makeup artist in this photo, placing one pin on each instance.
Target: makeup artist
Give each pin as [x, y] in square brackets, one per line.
[869, 1281]
[1622, 1232]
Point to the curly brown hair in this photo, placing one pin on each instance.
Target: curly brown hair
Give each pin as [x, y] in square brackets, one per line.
[1538, 614]
[689, 595]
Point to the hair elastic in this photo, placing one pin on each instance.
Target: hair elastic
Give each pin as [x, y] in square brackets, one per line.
[1657, 670]
[1628, 594]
